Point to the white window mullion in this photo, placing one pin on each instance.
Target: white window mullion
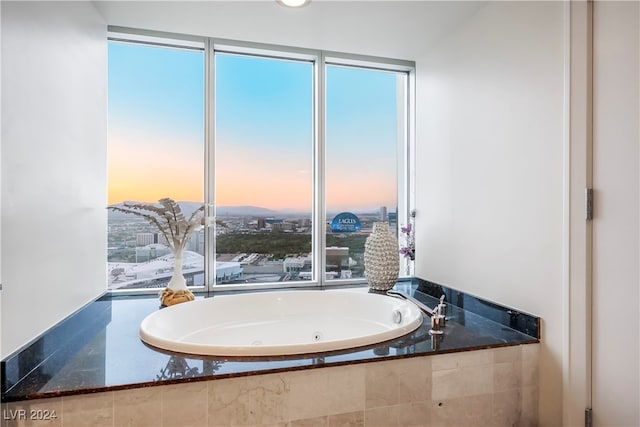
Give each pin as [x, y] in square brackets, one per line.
[210, 161]
[320, 216]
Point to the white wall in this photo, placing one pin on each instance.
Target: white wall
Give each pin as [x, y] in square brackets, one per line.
[54, 112]
[490, 168]
[616, 178]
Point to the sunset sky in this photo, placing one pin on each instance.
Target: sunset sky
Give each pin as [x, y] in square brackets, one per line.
[264, 131]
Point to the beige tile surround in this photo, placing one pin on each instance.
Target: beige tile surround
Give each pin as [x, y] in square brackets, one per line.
[492, 387]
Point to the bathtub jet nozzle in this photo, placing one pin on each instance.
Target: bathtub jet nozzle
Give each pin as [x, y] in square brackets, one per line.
[397, 316]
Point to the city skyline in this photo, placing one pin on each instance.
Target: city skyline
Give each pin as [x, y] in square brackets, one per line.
[264, 131]
[256, 211]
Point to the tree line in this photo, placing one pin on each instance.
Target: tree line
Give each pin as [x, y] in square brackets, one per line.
[280, 244]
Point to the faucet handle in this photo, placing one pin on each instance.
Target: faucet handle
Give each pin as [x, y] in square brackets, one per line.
[441, 310]
[438, 318]
[441, 307]
[437, 322]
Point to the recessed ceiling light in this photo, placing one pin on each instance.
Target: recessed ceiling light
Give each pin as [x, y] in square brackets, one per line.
[293, 3]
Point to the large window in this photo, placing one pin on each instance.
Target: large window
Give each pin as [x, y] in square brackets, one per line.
[295, 152]
[263, 166]
[155, 150]
[365, 125]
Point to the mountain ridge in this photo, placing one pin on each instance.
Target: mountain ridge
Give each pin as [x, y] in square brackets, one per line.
[239, 210]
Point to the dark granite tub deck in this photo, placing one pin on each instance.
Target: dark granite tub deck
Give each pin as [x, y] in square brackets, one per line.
[98, 349]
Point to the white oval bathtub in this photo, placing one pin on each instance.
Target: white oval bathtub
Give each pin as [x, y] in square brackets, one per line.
[279, 323]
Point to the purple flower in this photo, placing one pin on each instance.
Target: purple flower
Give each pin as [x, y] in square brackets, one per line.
[408, 250]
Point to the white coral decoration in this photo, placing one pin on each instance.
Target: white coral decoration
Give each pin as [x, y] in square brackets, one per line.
[381, 260]
[174, 226]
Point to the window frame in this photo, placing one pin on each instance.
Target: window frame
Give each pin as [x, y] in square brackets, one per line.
[320, 60]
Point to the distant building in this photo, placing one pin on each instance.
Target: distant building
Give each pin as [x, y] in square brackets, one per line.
[393, 223]
[282, 226]
[196, 243]
[337, 258]
[296, 264]
[144, 239]
[226, 271]
[151, 251]
[383, 213]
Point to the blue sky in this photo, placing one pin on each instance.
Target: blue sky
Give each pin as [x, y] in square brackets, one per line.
[264, 130]
[156, 87]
